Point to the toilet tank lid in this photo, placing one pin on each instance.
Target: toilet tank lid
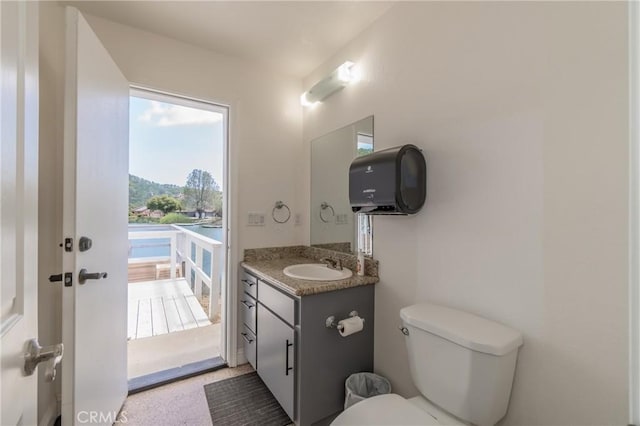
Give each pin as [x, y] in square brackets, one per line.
[468, 330]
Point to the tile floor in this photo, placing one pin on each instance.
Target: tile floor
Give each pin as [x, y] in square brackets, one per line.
[178, 403]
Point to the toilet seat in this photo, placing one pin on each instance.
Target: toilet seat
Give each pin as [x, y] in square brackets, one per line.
[384, 410]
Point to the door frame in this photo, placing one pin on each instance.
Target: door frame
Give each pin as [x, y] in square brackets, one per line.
[228, 312]
[634, 213]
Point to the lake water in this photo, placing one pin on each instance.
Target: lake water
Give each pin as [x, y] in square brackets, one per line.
[161, 247]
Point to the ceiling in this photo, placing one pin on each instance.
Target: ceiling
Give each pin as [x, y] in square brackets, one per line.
[293, 37]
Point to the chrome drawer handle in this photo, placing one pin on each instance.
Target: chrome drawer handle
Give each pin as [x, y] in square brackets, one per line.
[248, 305]
[248, 282]
[246, 337]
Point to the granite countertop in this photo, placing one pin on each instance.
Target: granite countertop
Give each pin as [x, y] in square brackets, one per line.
[271, 270]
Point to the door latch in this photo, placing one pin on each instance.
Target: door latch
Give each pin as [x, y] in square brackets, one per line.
[36, 354]
[68, 278]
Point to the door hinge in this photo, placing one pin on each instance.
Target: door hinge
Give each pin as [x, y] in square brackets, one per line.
[68, 244]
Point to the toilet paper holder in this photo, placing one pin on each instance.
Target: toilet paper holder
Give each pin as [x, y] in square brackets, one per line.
[331, 322]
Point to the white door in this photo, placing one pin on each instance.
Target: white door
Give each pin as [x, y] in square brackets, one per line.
[18, 207]
[95, 205]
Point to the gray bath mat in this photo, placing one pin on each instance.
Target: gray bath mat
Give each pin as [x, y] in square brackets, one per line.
[244, 400]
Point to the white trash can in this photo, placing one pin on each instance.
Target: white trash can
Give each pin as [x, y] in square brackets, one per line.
[360, 386]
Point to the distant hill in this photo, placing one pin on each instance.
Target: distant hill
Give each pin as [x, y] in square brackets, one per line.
[140, 190]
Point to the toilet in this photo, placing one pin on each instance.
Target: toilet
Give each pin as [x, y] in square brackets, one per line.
[462, 364]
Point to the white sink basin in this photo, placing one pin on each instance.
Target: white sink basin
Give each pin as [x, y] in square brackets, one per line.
[316, 272]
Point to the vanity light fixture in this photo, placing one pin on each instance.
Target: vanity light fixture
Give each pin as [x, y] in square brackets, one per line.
[335, 81]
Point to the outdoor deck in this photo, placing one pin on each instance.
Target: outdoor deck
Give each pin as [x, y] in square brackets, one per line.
[163, 306]
[172, 321]
[160, 353]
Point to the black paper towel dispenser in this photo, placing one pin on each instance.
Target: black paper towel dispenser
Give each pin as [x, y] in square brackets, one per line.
[392, 181]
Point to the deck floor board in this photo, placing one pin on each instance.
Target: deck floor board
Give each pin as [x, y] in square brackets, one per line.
[197, 311]
[188, 320]
[158, 316]
[173, 317]
[161, 307]
[145, 323]
[132, 319]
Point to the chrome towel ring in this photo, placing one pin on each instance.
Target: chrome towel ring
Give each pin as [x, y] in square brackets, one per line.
[324, 206]
[280, 205]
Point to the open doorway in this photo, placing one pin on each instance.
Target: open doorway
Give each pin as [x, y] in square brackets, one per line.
[177, 239]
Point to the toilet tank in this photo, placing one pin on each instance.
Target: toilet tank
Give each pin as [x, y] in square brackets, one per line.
[460, 361]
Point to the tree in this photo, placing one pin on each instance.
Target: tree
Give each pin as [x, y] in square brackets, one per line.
[164, 203]
[199, 190]
[175, 218]
[140, 190]
[217, 203]
[364, 151]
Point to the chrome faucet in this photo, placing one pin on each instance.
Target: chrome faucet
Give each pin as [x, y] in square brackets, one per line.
[332, 263]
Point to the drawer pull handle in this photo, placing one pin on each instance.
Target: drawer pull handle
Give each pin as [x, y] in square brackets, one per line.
[249, 282]
[287, 368]
[248, 305]
[246, 337]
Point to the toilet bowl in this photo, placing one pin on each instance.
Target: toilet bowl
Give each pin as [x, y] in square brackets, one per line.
[394, 410]
[462, 364]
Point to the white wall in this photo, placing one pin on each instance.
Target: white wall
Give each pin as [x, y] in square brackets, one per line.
[265, 136]
[521, 109]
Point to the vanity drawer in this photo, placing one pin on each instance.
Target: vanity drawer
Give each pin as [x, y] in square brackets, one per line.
[250, 345]
[248, 307]
[249, 283]
[278, 302]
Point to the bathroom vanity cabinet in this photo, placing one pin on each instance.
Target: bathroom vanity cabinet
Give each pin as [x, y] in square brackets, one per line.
[303, 363]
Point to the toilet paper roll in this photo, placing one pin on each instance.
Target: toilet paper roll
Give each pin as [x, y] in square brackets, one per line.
[351, 325]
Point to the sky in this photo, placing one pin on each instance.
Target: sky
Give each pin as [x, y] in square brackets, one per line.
[168, 141]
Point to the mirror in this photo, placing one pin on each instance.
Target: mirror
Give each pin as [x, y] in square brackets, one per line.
[333, 225]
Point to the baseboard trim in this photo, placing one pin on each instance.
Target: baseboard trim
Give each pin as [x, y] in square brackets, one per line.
[150, 381]
[240, 358]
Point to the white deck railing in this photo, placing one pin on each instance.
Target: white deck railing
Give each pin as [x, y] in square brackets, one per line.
[180, 251]
[152, 235]
[210, 278]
